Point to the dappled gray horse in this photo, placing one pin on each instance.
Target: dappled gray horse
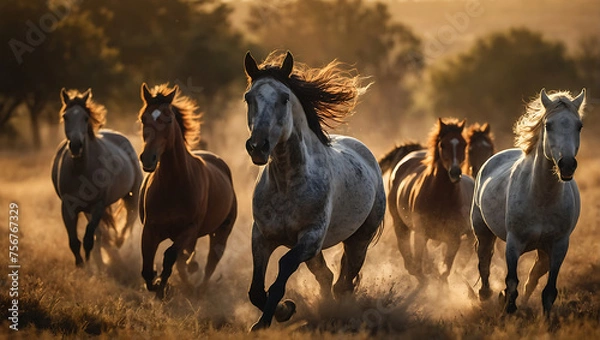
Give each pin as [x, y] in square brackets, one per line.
[528, 198]
[315, 191]
[93, 169]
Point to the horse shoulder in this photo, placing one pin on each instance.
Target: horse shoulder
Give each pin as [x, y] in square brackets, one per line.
[59, 157]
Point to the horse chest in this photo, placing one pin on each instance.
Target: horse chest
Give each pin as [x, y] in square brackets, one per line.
[170, 205]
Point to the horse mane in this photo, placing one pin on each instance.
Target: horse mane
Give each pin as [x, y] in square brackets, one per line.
[95, 111]
[328, 95]
[528, 126]
[184, 108]
[436, 134]
[392, 157]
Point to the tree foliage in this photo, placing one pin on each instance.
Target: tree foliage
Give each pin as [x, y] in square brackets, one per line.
[501, 71]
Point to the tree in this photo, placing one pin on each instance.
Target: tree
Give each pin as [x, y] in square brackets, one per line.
[50, 47]
[361, 34]
[492, 80]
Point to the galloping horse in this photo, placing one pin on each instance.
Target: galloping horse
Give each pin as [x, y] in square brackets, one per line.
[480, 147]
[187, 194]
[93, 169]
[527, 197]
[315, 190]
[430, 198]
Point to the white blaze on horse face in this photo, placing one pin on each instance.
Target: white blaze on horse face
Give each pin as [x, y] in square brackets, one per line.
[155, 114]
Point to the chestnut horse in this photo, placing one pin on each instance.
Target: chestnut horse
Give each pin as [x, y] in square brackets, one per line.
[430, 197]
[480, 147]
[93, 169]
[186, 195]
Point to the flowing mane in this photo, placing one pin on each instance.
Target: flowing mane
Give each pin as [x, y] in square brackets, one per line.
[435, 136]
[184, 108]
[328, 95]
[527, 128]
[95, 111]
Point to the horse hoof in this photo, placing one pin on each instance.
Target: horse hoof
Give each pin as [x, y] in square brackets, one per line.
[285, 310]
[258, 326]
[484, 294]
[511, 308]
[193, 267]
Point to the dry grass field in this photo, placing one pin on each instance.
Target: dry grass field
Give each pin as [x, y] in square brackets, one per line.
[56, 299]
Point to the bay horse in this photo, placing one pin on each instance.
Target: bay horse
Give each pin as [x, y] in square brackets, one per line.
[480, 147]
[186, 195]
[92, 169]
[315, 190]
[430, 198]
[527, 197]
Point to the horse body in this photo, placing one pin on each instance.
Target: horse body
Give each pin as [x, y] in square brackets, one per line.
[429, 197]
[102, 171]
[526, 197]
[187, 194]
[315, 191]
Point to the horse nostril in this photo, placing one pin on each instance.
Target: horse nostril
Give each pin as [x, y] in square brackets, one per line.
[265, 146]
[249, 146]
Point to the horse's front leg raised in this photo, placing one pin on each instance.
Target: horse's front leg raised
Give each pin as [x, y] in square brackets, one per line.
[514, 249]
[308, 246]
[557, 255]
[69, 216]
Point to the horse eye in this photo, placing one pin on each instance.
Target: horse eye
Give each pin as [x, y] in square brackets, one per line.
[246, 97]
[580, 127]
[548, 127]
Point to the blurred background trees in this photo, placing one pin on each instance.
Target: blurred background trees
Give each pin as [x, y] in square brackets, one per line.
[113, 46]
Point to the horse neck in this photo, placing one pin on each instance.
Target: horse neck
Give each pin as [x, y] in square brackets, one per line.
[83, 163]
[438, 177]
[290, 159]
[544, 180]
[176, 160]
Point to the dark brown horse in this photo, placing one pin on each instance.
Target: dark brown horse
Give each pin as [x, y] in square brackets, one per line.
[480, 147]
[93, 169]
[187, 194]
[430, 198]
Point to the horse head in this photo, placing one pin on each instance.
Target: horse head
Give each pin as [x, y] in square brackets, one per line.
[561, 132]
[269, 103]
[157, 118]
[451, 148]
[76, 117]
[480, 146]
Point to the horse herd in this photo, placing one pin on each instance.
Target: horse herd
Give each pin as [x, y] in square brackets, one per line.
[317, 190]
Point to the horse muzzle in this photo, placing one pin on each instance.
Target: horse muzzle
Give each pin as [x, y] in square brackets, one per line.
[566, 168]
[149, 161]
[76, 148]
[455, 174]
[258, 151]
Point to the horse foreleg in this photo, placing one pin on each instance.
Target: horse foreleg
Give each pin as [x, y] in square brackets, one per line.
[514, 249]
[130, 201]
[557, 255]
[90, 230]
[149, 246]
[70, 220]
[169, 258]
[539, 268]
[261, 252]
[322, 273]
[422, 259]
[308, 246]
[451, 250]
[403, 238]
[485, 251]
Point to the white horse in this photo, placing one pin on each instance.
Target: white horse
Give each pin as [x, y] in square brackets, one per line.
[315, 190]
[528, 198]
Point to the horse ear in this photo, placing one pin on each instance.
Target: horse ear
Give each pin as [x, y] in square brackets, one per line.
[64, 96]
[250, 66]
[87, 95]
[288, 64]
[145, 93]
[441, 124]
[579, 99]
[546, 101]
[172, 94]
[485, 128]
[462, 124]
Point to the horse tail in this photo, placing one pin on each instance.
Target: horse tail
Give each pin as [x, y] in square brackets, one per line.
[390, 159]
[108, 217]
[377, 235]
